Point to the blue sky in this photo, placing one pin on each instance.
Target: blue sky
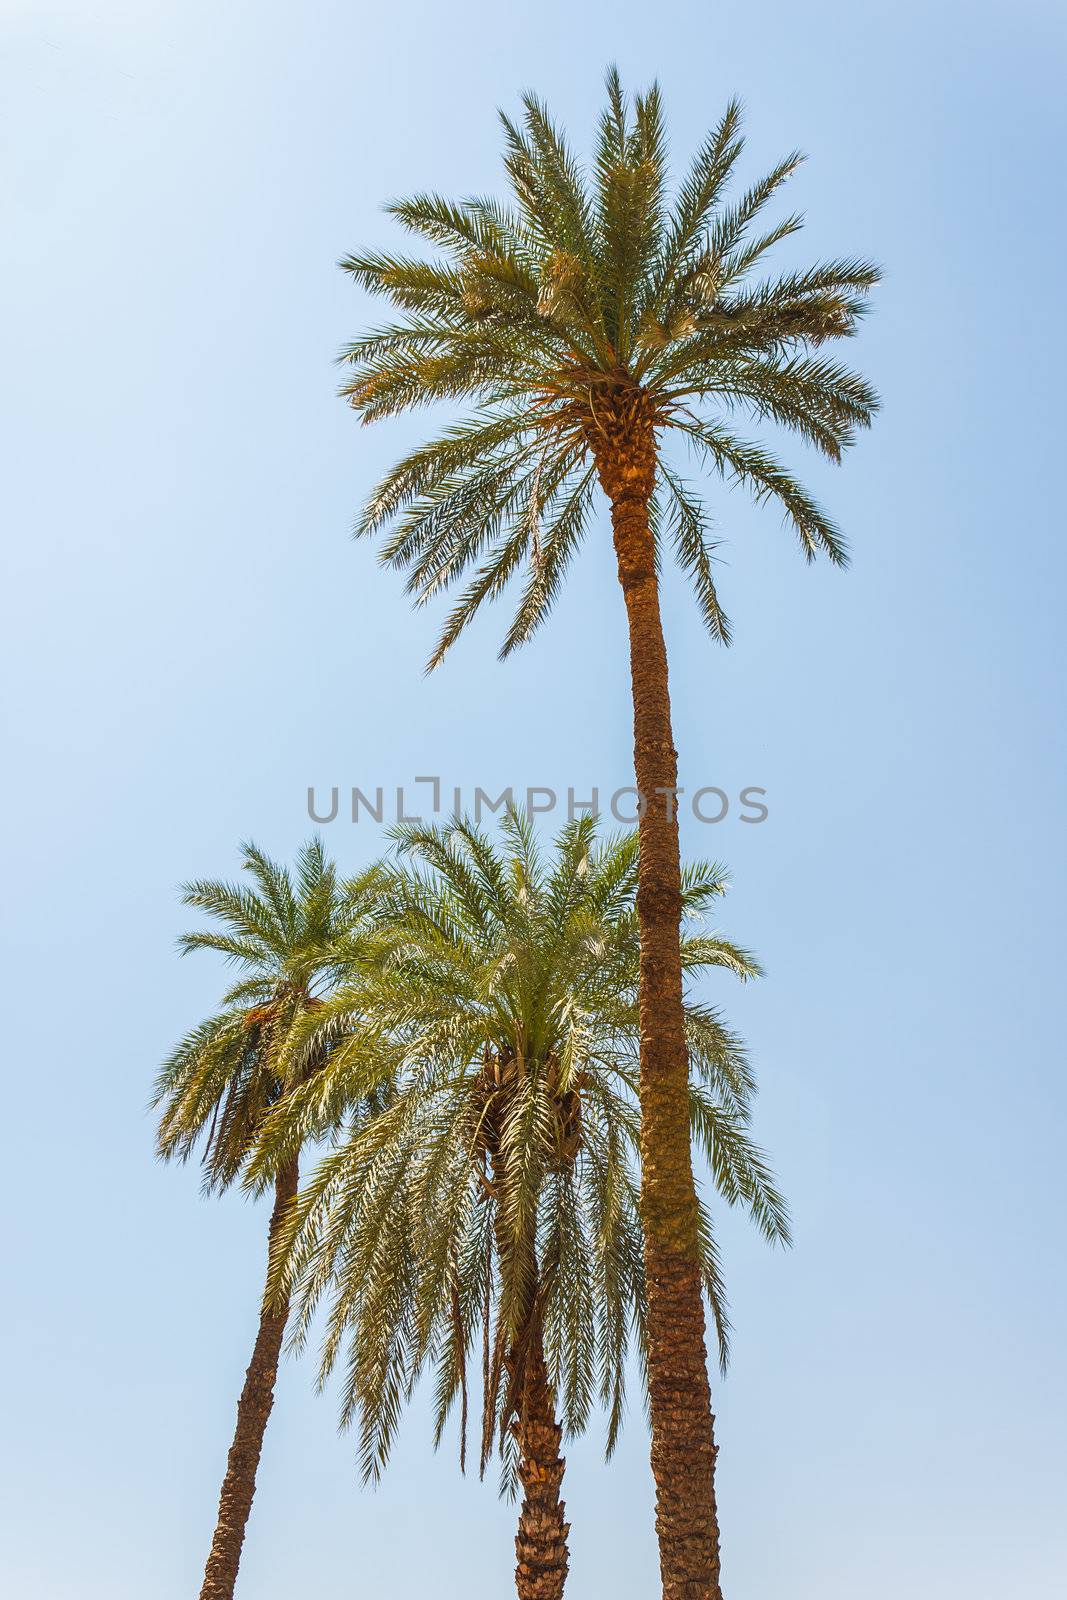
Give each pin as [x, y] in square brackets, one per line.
[193, 639]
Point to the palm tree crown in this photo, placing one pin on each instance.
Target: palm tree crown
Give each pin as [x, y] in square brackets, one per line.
[217, 1086]
[499, 1184]
[596, 309]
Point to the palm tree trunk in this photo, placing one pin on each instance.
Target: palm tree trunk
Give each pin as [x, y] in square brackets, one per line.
[683, 1428]
[541, 1542]
[253, 1409]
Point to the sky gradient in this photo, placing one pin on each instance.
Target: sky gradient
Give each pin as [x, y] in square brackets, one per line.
[192, 639]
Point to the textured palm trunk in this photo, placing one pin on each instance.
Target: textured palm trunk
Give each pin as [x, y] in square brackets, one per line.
[253, 1410]
[541, 1542]
[541, 1558]
[683, 1429]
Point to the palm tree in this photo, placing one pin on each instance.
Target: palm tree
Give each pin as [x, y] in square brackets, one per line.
[590, 322]
[492, 1202]
[217, 1087]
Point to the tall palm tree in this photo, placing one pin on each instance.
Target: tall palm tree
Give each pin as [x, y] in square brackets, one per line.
[591, 321]
[217, 1087]
[493, 1201]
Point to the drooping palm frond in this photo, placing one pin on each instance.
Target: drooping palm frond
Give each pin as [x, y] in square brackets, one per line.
[589, 284]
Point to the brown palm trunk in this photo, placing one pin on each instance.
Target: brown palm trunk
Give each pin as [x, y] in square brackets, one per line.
[683, 1429]
[541, 1558]
[254, 1407]
[541, 1542]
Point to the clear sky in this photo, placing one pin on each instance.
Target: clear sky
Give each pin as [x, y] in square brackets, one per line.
[192, 639]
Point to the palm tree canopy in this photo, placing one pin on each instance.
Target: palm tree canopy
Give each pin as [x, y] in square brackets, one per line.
[502, 1011]
[281, 930]
[597, 299]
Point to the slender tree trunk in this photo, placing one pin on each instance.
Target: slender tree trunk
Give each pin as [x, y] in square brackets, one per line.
[541, 1542]
[541, 1558]
[253, 1409]
[683, 1429]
